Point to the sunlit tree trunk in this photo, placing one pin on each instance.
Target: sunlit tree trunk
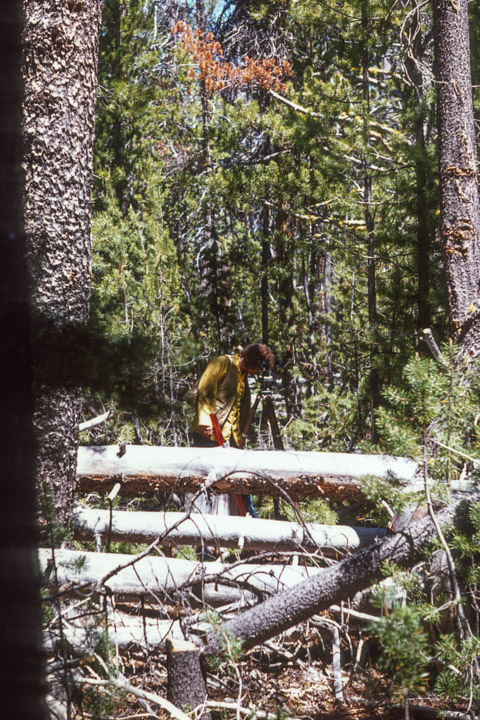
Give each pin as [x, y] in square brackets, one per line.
[460, 208]
[60, 62]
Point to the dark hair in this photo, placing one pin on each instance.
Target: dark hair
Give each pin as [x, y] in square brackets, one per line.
[258, 355]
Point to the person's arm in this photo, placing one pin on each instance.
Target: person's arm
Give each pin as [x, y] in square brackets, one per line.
[207, 393]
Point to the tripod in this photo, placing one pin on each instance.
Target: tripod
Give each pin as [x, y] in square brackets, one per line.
[271, 417]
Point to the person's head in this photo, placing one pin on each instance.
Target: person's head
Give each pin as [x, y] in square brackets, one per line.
[256, 358]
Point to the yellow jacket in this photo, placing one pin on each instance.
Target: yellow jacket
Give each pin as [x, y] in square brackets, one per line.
[223, 390]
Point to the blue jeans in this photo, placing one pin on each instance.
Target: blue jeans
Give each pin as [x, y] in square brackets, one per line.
[248, 502]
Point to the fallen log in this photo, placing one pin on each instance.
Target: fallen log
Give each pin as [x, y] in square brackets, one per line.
[330, 585]
[143, 470]
[94, 421]
[211, 583]
[125, 634]
[228, 532]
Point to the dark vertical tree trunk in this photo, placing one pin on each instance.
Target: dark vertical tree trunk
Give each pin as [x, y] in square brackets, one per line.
[60, 60]
[415, 59]
[265, 273]
[21, 681]
[265, 223]
[319, 306]
[215, 272]
[460, 208]
[425, 230]
[285, 260]
[374, 380]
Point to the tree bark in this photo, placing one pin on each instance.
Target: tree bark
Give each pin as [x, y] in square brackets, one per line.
[227, 532]
[60, 60]
[21, 658]
[145, 469]
[330, 585]
[460, 207]
[186, 686]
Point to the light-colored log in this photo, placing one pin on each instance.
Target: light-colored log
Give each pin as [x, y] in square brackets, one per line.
[157, 576]
[143, 469]
[94, 421]
[124, 634]
[228, 532]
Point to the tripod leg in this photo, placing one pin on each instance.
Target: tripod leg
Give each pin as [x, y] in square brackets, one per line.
[269, 410]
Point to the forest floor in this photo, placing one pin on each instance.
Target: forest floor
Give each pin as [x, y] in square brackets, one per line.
[293, 694]
[282, 688]
[290, 677]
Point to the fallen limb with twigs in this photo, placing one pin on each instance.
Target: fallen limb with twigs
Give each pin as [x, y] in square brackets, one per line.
[121, 683]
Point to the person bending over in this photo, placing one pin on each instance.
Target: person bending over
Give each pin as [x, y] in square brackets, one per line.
[223, 390]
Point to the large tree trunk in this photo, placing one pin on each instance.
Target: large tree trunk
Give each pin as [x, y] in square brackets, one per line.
[460, 208]
[21, 682]
[60, 59]
[145, 469]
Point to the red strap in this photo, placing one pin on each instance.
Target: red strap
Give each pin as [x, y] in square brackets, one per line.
[216, 428]
[240, 505]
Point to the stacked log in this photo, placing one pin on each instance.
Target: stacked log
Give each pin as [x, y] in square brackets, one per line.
[145, 470]
[228, 532]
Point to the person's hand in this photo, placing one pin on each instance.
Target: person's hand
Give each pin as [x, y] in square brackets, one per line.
[206, 431]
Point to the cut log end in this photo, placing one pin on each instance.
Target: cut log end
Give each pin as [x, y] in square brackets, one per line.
[174, 645]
